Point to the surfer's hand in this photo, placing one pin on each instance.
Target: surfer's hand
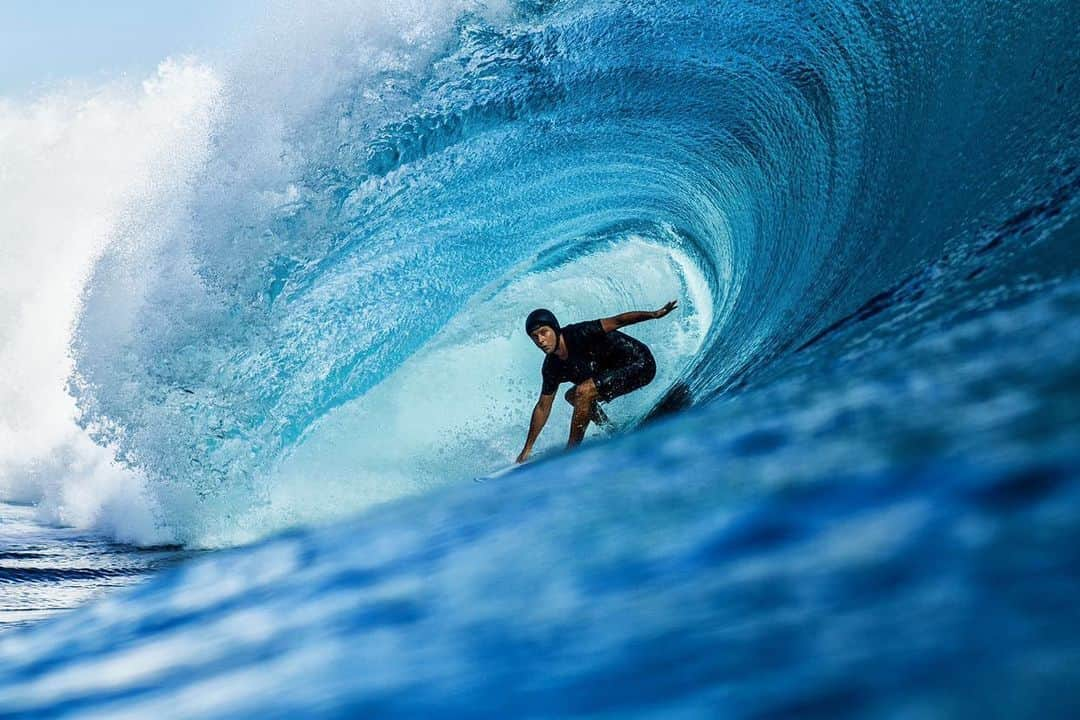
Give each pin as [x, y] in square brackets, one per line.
[522, 457]
[666, 309]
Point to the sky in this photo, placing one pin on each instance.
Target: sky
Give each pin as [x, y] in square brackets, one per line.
[43, 42]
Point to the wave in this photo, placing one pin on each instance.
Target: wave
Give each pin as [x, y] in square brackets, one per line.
[306, 299]
[75, 162]
[286, 320]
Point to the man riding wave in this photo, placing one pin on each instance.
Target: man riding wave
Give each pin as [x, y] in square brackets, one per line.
[600, 361]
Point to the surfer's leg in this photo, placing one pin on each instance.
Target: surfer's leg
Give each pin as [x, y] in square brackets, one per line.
[596, 414]
[629, 377]
[584, 397]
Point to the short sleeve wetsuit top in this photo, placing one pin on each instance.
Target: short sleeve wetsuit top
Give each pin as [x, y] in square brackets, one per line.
[616, 362]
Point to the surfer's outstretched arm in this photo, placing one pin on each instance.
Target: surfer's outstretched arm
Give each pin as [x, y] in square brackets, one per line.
[539, 418]
[635, 316]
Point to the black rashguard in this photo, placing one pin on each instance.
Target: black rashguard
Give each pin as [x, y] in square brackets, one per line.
[616, 362]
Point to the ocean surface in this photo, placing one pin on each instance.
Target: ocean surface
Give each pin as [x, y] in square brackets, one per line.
[46, 569]
[261, 334]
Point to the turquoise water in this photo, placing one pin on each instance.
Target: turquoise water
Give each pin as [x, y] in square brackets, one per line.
[851, 490]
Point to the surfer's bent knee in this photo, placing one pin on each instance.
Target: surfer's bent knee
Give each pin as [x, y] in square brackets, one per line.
[585, 390]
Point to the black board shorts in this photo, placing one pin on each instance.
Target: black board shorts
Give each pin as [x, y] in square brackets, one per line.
[635, 374]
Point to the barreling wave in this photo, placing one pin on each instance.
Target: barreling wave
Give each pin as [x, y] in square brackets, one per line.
[307, 298]
[323, 309]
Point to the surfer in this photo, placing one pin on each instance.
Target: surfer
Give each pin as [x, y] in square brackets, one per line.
[600, 361]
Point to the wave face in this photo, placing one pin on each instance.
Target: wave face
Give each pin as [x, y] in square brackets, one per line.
[773, 167]
[868, 211]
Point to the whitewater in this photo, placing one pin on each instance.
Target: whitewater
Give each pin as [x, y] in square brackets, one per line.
[269, 302]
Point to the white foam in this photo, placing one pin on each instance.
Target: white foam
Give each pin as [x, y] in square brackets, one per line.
[71, 164]
[84, 168]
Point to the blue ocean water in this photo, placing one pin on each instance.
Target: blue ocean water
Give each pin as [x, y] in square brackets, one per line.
[852, 489]
[45, 570]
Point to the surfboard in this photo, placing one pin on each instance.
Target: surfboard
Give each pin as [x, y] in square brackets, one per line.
[501, 472]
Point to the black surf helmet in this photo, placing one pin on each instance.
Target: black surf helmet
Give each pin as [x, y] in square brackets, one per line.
[540, 317]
